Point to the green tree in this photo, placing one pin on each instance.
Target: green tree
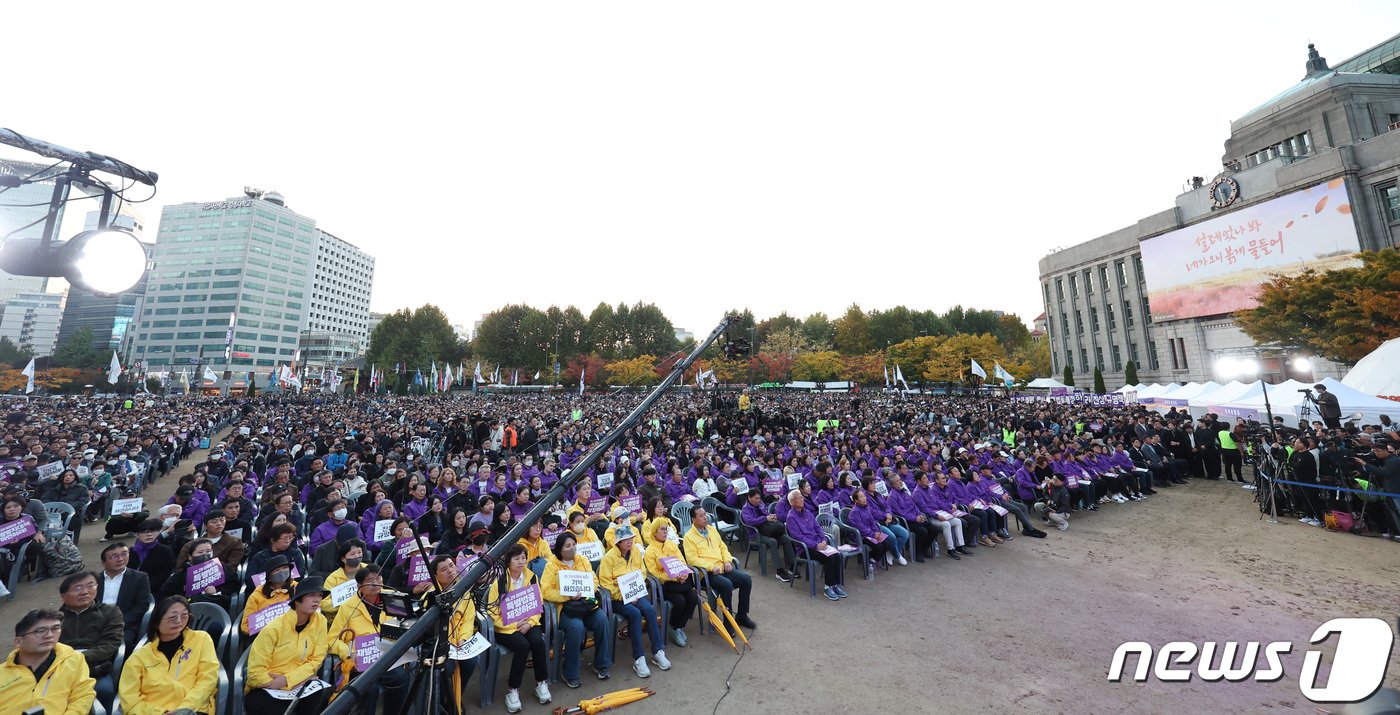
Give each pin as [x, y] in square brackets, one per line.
[640, 370]
[1069, 375]
[817, 367]
[891, 326]
[416, 339]
[780, 322]
[819, 331]
[15, 355]
[786, 341]
[1130, 373]
[517, 336]
[77, 351]
[1098, 381]
[853, 332]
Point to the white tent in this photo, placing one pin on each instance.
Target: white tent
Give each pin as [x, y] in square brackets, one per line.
[1353, 401]
[1045, 383]
[1148, 395]
[1181, 396]
[1130, 388]
[1199, 404]
[1376, 374]
[1284, 399]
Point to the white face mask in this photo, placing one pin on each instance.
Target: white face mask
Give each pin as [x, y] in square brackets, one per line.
[529, 462]
[169, 521]
[340, 513]
[456, 462]
[391, 471]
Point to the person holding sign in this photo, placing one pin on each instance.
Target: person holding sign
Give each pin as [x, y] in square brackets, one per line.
[178, 668]
[623, 575]
[705, 549]
[580, 530]
[517, 632]
[276, 588]
[351, 555]
[286, 656]
[200, 579]
[592, 510]
[884, 520]
[578, 612]
[802, 528]
[656, 510]
[665, 562]
[355, 639]
[17, 529]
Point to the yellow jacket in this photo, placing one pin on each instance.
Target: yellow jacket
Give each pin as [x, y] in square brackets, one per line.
[495, 597]
[257, 601]
[66, 689]
[152, 685]
[705, 553]
[351, 620]
[613, 565]
[535, 550]
[549, 582]
[653, 557]
[280, 649]
[336, 578]
[461, 625]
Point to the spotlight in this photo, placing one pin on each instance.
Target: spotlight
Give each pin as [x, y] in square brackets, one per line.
[1302, 364]
[104, 261]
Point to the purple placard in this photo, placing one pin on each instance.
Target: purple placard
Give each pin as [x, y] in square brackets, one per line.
[366, 650]
[260, 578]
[675, 568]
[521, 604]
[772, 486]
[17, 530]
[597, 504]
[550, 536]
[463, 560]
[260, 618]
[632, 503]
[404, 547]
[201, 576]
[417, 571]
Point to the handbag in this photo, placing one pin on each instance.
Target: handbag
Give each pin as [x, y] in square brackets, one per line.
[581, 608]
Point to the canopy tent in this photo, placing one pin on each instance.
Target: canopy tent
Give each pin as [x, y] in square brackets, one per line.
[1198, 405]
[1147, 396]
[1181, 396]
[1376, 374]
[1042, 383]
[1284, 398]
[1353, 402]
[1130, 388]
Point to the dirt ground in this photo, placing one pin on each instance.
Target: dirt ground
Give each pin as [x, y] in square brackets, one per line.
[1029, 626]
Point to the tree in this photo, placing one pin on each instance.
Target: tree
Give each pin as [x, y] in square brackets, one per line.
[1130, 373]
[54, 379]
[593, 366]
[1069, 375]
[13, 355]
[1341, 314]
[782, 321]
[784, 341]
[817, 366]
[864, 369]
[819, 331]
[414, 339]
[639, 370]
[77, 352]
[515, 335]
[853, 332]
[772, 367]
[891, 326]
[1098, 381]
[952, 357]
[1036, 355]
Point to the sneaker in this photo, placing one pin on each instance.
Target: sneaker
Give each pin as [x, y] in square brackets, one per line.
[744, 620]
[1304, 520]
[640, 667]
[103, 540]
[542, 693]
[963, 550]
[902, 561]
[678, 637]
[603, 673]
[573, 683]
[513, 701]
[831, 594]
[659, 658]
[889, 558]
[1063, 527]
[840, 590]
[784, 575]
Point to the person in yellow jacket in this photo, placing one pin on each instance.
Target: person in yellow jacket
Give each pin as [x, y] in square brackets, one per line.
[350, 554]
[277, 587]
[620, 516]
[461, 628]
[524, 638]
[580, 530]
[597, 520]
[358, 618]
[656, 511]
[705, 549]
[623, 559]
[178, 667]
[64, 688]
[679, 591]
[288, 653]
[577, 614]
[536, 548]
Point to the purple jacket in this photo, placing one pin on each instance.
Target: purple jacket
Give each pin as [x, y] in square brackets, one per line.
[517, 511]
[902, 505]
[753, 515]
[802, 527]
[325, 532]
[367, 524]
[675, 490]
[415, 509]
[1026, 483]
[864, 519]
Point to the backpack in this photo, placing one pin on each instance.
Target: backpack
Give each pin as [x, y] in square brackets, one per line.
[61, 556]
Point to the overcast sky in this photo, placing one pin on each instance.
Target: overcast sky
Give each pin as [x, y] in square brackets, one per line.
[793, 156]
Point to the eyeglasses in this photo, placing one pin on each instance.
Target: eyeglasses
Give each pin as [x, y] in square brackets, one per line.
[176, 617]
[42, 631]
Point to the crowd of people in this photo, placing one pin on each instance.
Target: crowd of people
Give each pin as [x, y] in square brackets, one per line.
[311, 515]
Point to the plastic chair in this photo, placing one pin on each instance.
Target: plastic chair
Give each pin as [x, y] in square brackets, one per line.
[17, 570]
[723, 517]
[240, 678]
[495, 654]
[663, 607]
[804, 557]
[835, 531]
[61, 512]
[217, 623]
[680, 512]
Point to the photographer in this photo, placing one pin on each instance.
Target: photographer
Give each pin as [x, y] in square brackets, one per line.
[1388, 473]
[1327, 407]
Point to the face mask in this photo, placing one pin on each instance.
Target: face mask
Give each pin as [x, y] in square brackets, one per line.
[169, 521]
[391, 471]
[278, 576]
[529, 462]
[352, 563]
[339, 513]
[579, 529]
[456, 462]
[201, 559]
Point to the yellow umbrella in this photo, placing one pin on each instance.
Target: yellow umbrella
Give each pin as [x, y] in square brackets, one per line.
[737, 629]
[623, 699]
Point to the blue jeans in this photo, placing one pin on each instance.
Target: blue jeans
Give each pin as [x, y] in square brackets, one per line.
[896, 531]
[106, 691]
[574, 631]
[638, 613]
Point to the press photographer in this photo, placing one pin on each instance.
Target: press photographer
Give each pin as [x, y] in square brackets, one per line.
[1327, 406]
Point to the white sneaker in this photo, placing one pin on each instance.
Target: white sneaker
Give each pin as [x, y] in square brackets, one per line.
[902, 561]
[640, 666]
[513, 701]
[889, 558]
[1304, 520]
[659, 658]
[542, 692]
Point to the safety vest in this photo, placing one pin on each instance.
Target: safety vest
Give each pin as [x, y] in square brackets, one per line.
[700, 426]
[821, 425]
[1227, 440]
[1009, 437]
[509, 439]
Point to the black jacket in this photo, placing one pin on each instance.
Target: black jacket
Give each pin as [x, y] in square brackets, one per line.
[133, 598]
[158, 565]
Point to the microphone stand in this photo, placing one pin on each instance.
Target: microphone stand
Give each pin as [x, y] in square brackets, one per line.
[426, 624]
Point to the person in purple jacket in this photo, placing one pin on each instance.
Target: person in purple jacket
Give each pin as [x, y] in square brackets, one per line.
[384, 510]
[866, 521]
[998, 495]
[934, 505]
[826, 491]
[901, 504]
[802, 528]
[804, 487]
[964, 497]
[418, 505]
[521, 503]
[760, 524]
[677, 489]
[336, 513]
[883, 518]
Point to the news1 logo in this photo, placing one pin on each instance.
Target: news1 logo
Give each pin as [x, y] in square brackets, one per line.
[1358, 668]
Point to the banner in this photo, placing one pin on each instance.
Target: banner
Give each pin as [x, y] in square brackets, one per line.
[260, 578]
[50, 470]
[201, 576]
[260, 618]
[632, 503]
[772, 486]
[521, 604]
[381, 530]
[126, 506]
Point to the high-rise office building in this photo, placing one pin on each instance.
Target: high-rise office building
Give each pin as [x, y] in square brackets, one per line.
[338, 326]
[249, 259]
[31, 319]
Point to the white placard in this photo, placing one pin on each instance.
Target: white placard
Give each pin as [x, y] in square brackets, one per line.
[126, 506]
[245, 431]
[881, 488]
[605, 480]
[235, 533]
[591, 550]
[50, 470]
[312, 686]
[999, 510]
[576, 583]
[381, 530]
[474, 646]
[794, 481]
[342, 593]
[740, 486]
[633, 586]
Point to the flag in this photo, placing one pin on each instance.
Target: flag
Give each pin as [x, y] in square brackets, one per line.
[537, 374]
[433, 381]
[514, 377]
[114, 370]
[355, 386]
[1002, 374]
[28, 372]
[886, 370]
[899, 376]
[210, 375]
[418, 376]
[476, 376]
[978, 371]
[580, 383]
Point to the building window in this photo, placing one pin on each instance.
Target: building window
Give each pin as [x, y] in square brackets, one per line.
[1146, 314]
[1137, 268]
[1112, 321]
[1073, 287]
[1088, 283]
[1083, 360]
[1152, 353]
[1098, 357]
[1094, 319]
[1128, 313]
[1117, 357]
[1390, 199]
[1122, 273]
[1133, 353]
[1103, 278]
[1181, 344]
[1171, 345]
[1078, 322]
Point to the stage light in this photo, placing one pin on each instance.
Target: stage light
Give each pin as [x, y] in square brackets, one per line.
[1302, 364]
[106, 261]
